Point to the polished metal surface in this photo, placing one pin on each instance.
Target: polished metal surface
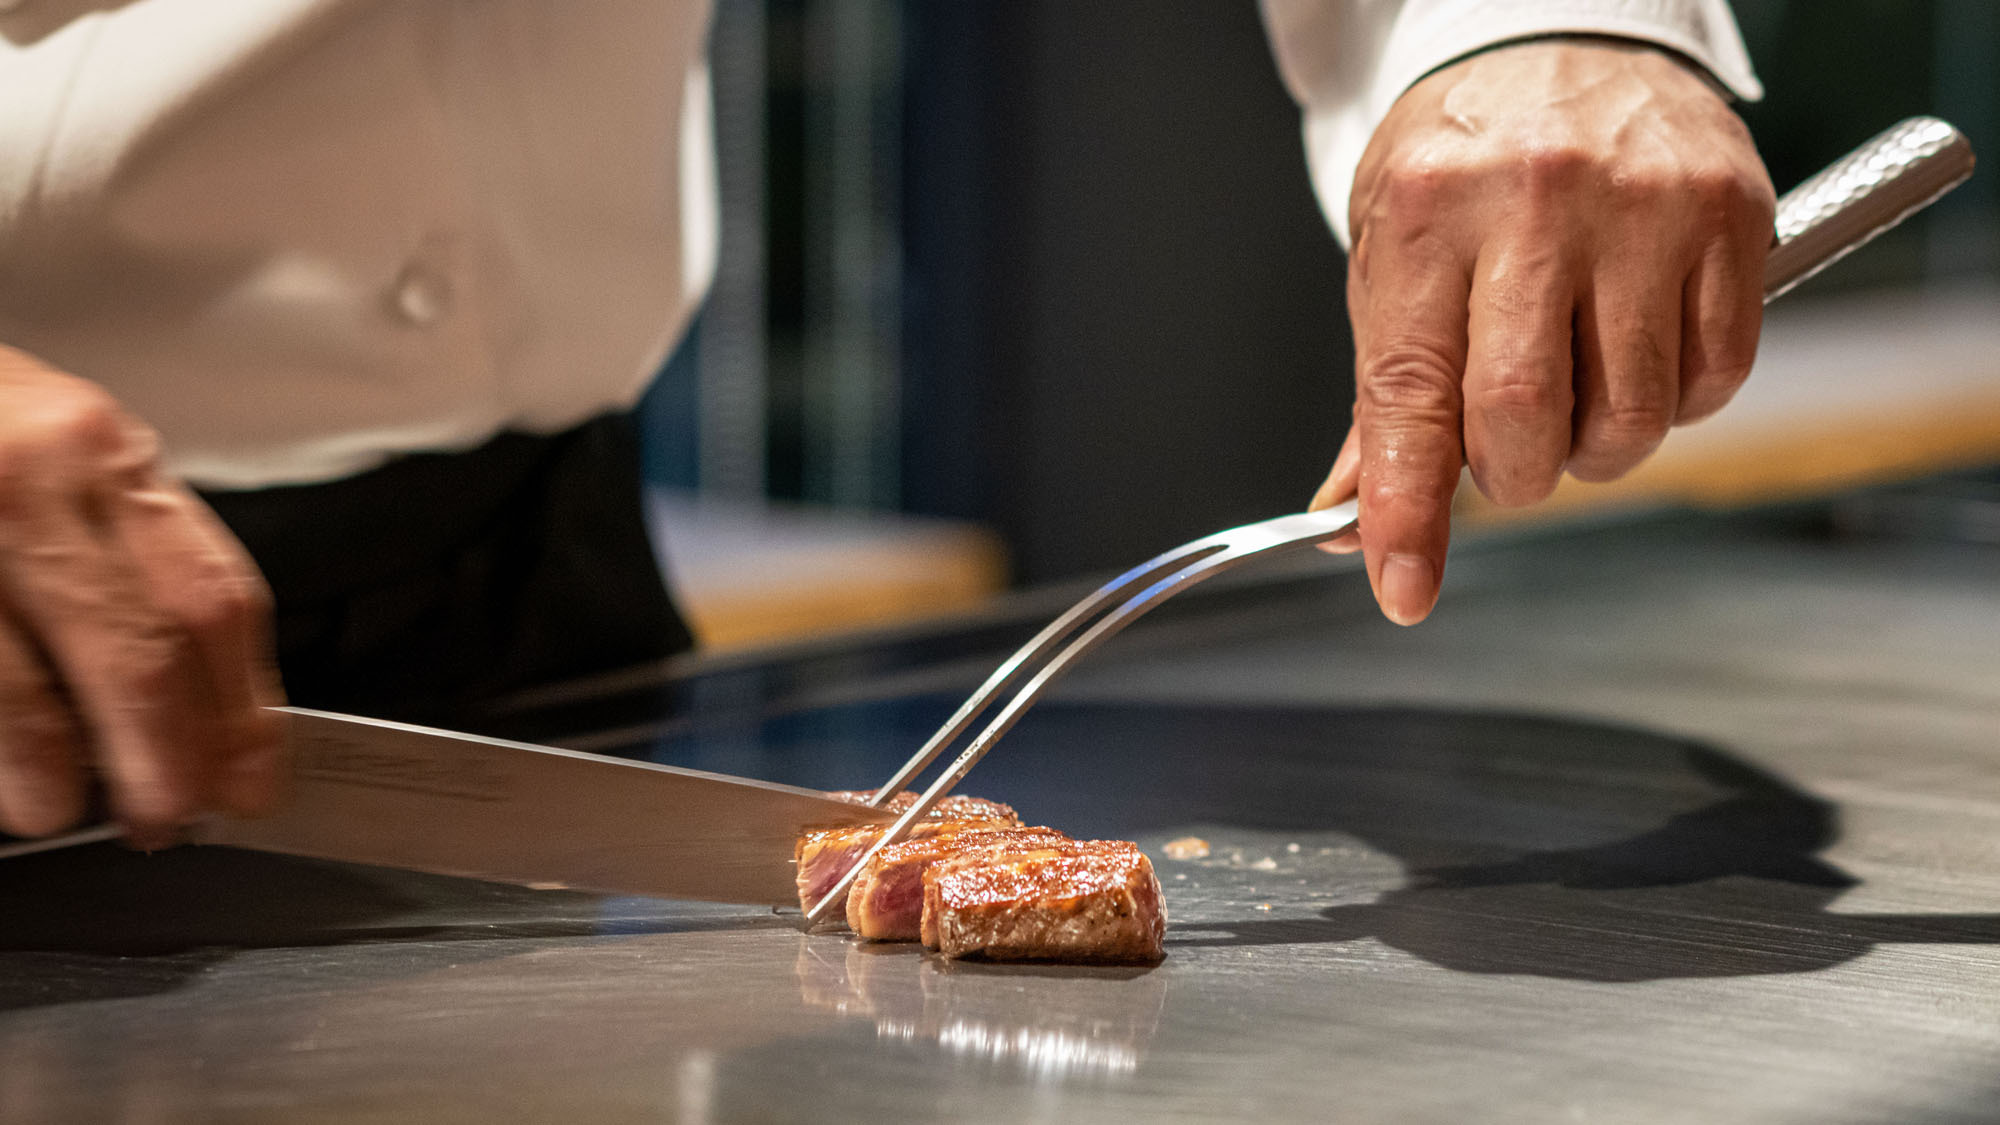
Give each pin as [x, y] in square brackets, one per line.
[1836, 211]
[1684, 819]
[371, 791]
[1073, 635]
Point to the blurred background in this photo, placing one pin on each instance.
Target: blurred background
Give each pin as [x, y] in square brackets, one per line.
[1016, 291]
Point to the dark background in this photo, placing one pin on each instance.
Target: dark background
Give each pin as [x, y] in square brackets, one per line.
[1121, 290]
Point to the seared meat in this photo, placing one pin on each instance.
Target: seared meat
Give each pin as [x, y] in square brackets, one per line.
[1090, 900]
[825, 854]
[952, 806]
[886, 902]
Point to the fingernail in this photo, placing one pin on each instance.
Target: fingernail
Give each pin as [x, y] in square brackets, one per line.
[1409, 587]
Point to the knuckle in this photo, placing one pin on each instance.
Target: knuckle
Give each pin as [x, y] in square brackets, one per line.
[1404, 495]
[1729, 367]
[1629, 423]
[1515, 484]
[1417, 186]
[226, 602]
[1641, 192]
[1517, 393]
[1709, 388]
[1409, 378]
[1615, 439]
[1714, 185]
[87, 420]
[1555, 167]
[147, 663]
[1725, 199]
[82, 429]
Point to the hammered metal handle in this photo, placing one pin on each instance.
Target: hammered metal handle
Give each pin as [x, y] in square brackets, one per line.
[1861, 195]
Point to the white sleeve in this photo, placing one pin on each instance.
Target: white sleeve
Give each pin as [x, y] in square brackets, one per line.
[1347, 61]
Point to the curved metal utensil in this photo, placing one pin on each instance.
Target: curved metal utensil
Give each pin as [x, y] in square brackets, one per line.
[1899, 172]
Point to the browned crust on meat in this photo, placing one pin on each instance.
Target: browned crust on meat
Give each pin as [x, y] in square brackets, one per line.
[823, 855]
[951, 807]
[1093, 900]
[885, 902]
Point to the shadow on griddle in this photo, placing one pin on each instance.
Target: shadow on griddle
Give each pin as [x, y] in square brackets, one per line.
[1585, 851]
[1529, 844]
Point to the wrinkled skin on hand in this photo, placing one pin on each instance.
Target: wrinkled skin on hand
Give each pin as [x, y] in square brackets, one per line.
[134, 629]
[1558, 255]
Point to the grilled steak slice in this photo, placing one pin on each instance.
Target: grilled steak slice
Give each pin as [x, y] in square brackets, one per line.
[950, 807]
[927, 924]
[1089, 900]
[825, 854]
[886, 902]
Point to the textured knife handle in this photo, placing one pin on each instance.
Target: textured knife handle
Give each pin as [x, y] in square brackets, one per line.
[1861, 195]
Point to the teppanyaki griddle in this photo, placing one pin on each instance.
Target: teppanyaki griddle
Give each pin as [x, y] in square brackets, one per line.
[1685, 818]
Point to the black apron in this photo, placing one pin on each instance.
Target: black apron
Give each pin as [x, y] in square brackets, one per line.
[430, 586]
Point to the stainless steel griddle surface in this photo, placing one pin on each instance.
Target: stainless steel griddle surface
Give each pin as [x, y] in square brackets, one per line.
[1690, 819]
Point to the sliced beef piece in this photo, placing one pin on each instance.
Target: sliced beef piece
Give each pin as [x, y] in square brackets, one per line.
[1089, 900]
[886, 902]
[825, 854]
[952, 806]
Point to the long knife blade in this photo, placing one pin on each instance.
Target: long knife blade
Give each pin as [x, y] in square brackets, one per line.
[371, 791]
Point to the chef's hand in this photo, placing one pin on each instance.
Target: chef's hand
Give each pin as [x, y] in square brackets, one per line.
[133, 627]
[1558, 254]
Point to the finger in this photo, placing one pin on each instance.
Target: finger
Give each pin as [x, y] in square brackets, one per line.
[1340, 481]
[130, 672]
[1338, 488]
[1411, 355]
[1628, 363]
[194, 570]
[1722, 313]
[1518, 387]
[42, 779]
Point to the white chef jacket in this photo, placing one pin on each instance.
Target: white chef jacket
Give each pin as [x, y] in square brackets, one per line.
[299, 237]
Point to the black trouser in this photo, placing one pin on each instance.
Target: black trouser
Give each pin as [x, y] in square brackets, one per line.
[424, 588]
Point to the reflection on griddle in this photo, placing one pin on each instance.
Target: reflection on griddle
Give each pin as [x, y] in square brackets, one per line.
[1052, 1021]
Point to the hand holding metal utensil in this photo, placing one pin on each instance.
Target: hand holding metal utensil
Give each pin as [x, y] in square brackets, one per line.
[395, 795]
[1873, 188]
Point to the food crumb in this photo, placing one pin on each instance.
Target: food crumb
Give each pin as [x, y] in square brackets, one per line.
[1292, 848]
[1265, 864]
[1262, 906]
[1187, 847]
